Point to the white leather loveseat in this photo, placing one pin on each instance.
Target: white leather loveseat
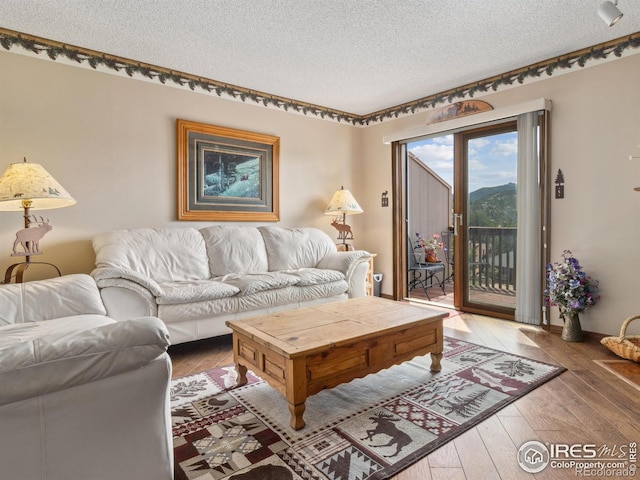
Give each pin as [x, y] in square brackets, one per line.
[81, 395]
[196, 280]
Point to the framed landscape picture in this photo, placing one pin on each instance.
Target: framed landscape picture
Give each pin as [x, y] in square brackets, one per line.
[226, 174]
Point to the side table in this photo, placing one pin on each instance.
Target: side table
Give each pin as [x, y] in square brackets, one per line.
[369, 279]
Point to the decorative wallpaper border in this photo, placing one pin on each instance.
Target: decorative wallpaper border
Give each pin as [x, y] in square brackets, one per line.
[10, 40]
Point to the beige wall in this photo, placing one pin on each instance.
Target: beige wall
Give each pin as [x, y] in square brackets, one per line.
[110, 141]
[595, 126]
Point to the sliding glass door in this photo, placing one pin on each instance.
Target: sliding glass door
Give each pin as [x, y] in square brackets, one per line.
[485, 219]
[461, 190]
[484, 192]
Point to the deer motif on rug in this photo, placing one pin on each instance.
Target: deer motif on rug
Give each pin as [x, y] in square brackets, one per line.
[385, 425]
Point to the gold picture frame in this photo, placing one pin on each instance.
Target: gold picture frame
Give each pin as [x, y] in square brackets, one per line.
[226, 174]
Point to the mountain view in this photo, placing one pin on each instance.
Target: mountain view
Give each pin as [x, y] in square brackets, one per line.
[493, 206]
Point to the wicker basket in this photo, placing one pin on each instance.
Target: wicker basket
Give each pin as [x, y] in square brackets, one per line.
[625, 346]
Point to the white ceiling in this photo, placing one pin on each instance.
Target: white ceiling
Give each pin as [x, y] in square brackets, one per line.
[357, 56]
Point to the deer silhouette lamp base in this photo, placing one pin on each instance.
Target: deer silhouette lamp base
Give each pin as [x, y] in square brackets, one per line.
[29, 239]
[344, 233]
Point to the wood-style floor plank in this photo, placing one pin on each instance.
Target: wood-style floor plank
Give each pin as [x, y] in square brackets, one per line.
[193, 357]
[585, 404]
[445, 457]
[501, 449]
[474, 456]
[442, 474]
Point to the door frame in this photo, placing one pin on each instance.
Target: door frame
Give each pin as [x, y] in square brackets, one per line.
[461, 177]
[399, 198]
[399, 202]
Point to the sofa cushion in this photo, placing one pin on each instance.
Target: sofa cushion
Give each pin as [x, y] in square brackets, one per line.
[194, 291]
[293, 248]
[315, 276]
[255, 304]
[165, 255]
[73, 356]
[64, 296]
[250, 283]
[234, 249]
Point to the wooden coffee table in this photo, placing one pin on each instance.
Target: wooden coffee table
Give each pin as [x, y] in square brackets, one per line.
[301, 352]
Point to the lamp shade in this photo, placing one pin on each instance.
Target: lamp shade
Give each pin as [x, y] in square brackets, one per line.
[343, 203]
[29, 183]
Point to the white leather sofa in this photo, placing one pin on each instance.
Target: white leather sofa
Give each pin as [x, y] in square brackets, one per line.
[196, 280]
[81, 395]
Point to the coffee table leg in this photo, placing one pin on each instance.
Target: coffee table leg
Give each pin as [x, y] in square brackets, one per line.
[435, 362]
[242, 375]
[296, 411]
[296, 390]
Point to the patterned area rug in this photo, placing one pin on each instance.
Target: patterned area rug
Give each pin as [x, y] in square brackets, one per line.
[367, 429]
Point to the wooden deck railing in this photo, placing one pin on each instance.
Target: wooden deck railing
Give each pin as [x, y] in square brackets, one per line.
[492, 254]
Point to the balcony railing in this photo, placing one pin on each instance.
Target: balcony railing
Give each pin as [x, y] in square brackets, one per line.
[491, 257]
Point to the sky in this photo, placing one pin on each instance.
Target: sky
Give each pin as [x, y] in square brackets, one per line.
[492, 159]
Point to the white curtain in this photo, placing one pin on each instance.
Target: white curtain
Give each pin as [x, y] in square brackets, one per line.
[528, 274]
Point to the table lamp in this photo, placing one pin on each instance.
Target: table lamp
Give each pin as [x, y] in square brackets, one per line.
[343, 203]
[28, 186]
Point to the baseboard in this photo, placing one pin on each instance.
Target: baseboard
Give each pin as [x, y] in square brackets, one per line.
[591, 335]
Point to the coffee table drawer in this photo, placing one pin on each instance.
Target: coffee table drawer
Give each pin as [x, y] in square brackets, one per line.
[420, 339]
[336, 361]
[265, 363]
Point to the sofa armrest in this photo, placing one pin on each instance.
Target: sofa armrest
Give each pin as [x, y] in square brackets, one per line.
[120, 277]
[358, 280]
[58, 361]
[354, 265]
[124, 303]
[344, 262]
[127, 294]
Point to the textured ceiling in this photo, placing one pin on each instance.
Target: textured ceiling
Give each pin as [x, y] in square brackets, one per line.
[353, 56]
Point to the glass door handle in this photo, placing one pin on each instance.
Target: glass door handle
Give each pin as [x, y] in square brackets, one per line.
[457, 218]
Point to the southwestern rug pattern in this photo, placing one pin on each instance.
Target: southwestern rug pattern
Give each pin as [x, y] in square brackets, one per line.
[367, 429]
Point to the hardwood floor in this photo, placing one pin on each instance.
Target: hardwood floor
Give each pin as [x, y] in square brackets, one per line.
[586, 404]
[437, 296]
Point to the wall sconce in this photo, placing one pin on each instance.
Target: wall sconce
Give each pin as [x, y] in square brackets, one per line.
[560, 184]
[610, 13]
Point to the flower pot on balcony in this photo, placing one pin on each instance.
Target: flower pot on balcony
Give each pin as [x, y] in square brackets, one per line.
[431, 256]
[572, 331]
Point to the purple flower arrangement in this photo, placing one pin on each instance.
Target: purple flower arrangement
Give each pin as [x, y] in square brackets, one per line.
[568, 287]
